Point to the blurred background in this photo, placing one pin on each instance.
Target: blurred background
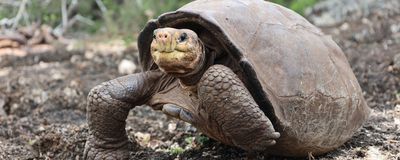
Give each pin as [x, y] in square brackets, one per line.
[121, 18]
[52, 52]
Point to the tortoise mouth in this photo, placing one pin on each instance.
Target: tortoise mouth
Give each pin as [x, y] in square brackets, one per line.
[175, 62]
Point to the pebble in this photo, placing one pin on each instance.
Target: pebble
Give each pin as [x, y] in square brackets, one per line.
[374, 153]
[3, 102]
[344, 26]
[396, 62]
[126, 67]
[171, 127]
[143, 138]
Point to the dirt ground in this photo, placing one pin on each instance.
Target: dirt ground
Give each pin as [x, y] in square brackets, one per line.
[43, 100]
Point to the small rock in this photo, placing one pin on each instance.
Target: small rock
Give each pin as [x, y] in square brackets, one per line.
[89, 54]
[171, 127]
[41, 128]
[57, 76]
[395, 28]
[396, 37]
[344, 26]
[5, 71]
[396, 62]
[2, 112]
[366, 21]
[142, 138]
[153, 144]
[75, 58]
[126, 67]
[374, 153]
[397, 116]
[3, 102]
[69, 92]
[14, 108]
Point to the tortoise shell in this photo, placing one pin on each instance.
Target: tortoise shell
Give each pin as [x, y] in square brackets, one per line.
[298, 76]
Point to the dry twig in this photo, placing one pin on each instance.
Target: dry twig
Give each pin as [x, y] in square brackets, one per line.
[21, 10]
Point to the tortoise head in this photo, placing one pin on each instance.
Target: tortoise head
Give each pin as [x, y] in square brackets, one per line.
[177, 51]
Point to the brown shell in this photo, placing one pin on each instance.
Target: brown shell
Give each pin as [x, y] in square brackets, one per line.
[317, 103]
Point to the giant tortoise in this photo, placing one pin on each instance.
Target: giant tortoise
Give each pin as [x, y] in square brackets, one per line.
[248, 73]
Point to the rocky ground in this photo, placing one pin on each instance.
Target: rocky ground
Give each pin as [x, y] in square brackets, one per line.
[43, 95]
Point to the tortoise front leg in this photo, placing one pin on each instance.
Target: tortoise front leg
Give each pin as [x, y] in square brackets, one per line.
[107, 109]
[232, 115]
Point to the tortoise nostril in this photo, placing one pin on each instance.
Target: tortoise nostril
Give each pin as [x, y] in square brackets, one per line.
[162, 36]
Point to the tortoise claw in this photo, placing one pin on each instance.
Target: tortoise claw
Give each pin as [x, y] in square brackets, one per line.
[270, 142]
[275, 135]
[171, 110]
[177, 112]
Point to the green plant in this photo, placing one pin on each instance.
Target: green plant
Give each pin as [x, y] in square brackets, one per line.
[297, 5]
[175, 150]
[201, 140]
[189, 140]
[300, 5]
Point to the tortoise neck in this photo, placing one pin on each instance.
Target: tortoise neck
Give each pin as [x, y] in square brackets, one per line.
[207, 59]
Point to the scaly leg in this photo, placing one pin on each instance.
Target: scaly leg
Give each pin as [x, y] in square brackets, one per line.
[232, 114]
[108, 107]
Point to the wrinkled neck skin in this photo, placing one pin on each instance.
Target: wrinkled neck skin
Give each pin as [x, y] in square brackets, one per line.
[192, 78]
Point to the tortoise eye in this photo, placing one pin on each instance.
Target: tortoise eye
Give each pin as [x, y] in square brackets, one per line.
[182, 37]
[154, 34]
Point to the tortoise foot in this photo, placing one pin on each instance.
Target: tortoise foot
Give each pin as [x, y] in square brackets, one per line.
[235, 118]
[107, 109]
[94, 152]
